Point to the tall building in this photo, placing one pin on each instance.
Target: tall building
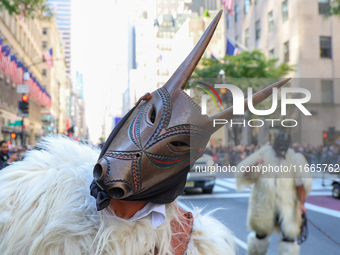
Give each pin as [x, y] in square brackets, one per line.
[62, 10]
[298, 33]
[200, 5]
[23, 38]
[55, 81]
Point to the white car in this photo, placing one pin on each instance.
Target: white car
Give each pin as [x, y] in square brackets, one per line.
[202, 174]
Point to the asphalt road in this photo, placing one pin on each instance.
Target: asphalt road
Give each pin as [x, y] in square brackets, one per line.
[233, 212]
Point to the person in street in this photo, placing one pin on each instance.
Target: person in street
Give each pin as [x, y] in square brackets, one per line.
[277, 199]
[5, 157]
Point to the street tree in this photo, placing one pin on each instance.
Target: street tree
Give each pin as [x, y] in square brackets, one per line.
[335, 8]
[27, 8]
[247, 69]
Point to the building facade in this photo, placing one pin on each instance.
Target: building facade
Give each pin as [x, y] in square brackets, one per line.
[298, 33]
[23, 37]
[55, 81]
[52, 100]
[62, 10]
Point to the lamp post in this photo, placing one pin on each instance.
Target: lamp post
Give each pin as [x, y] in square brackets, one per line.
[222, 74]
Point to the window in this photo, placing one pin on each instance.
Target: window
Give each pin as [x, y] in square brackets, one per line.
[327, 91]
[44, 45]
[228, 20]
[284, 10]
[286, 51]
[44, 31]
[324, 7]
[63, 19]
[44, 72]
[258, 29]
[63, 24]
[236, 13]
[271, 53]
[256, 1]
[270, 21]
[246, 6]
[246, 41]
[237, 38]
[23, 41]
[325, 47]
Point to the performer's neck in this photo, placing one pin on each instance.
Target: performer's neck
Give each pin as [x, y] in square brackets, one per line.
[126, 209]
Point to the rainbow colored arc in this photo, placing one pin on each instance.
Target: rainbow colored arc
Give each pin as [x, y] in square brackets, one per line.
[209, 93]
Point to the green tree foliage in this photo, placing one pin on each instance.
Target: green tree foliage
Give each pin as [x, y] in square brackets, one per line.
[27, 8]
[335, 8]
[247, 64]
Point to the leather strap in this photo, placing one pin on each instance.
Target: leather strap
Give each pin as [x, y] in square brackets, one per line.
[181, 232]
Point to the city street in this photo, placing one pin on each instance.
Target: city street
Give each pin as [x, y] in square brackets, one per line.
[233, 212]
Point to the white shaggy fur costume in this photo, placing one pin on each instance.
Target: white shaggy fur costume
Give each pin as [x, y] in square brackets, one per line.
[273, 201]
[46, 208]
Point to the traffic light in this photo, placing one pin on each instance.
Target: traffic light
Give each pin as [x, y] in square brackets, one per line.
[324, 135]
[13, 135]
[70, 131]
[24, 104]
[325, 138]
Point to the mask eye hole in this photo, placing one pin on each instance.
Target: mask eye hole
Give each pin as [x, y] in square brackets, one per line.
[179, 146]
[151, 116]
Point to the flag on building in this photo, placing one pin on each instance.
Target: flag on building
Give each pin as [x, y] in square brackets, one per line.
[4, 53]
[212, 56]
[8, 63]
[1, 40]
[48, 56]
[19, 74]
[231, 50]
[13, 65]
[228, 6]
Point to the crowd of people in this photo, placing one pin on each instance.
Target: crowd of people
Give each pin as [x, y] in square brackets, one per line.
[9, 154]
[224, 155]
[232, 155]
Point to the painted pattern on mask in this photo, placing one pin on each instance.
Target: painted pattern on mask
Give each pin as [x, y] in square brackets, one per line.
[161, 133]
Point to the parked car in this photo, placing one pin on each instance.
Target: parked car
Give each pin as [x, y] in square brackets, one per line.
[336, 189]
[202, 174]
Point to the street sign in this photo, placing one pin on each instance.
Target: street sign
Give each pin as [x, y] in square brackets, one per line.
[23, 89]
[15, 123]
[22, 114]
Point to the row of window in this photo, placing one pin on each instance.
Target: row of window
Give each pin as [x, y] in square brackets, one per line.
[324, 7]
[23, 32]
[63, 19]
[284, 8]
[325, 49]
[63, 24]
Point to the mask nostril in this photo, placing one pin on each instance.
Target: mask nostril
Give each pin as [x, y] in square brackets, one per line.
[97, 172]
[116, 193]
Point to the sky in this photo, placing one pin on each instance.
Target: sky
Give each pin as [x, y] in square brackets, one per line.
[99, 32]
